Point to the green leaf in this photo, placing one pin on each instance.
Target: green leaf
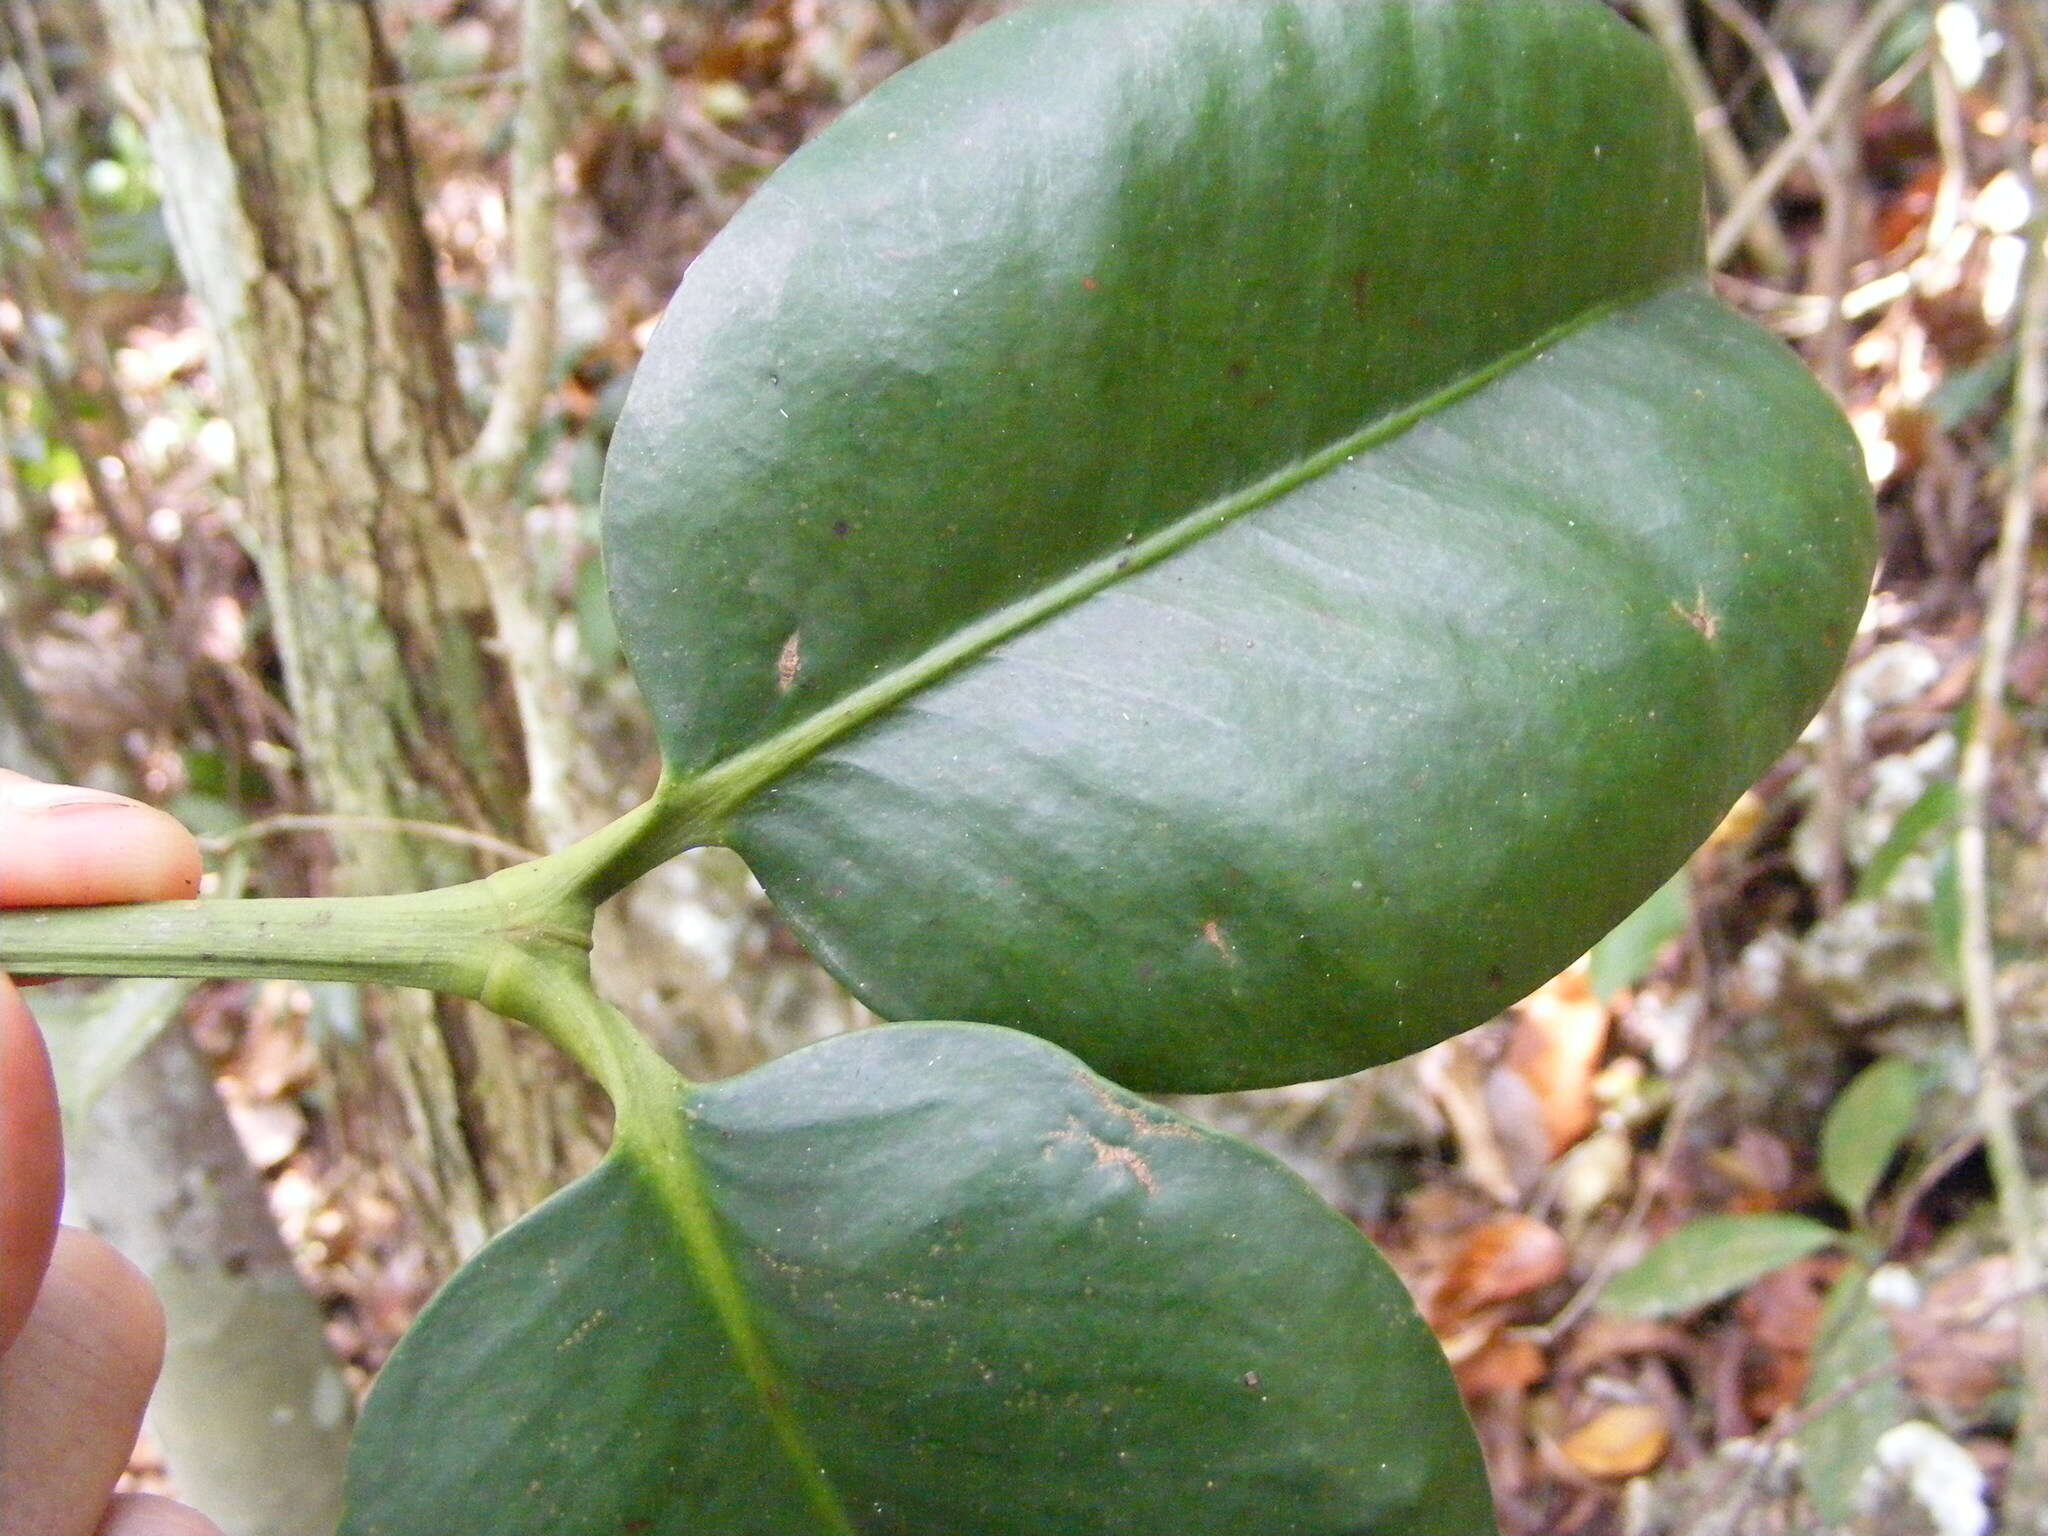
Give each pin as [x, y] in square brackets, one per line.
[1233, 537]
[1837, 1447]
[96, 1032]
[931, 1279]
[1625, 956]
[1929, 814]
[1707, 1260]
[1864, 1130]
[1945, 914]
[1961, 396]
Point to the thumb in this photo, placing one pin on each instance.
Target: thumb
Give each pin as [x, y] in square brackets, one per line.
[31, 1163]
[69, 847]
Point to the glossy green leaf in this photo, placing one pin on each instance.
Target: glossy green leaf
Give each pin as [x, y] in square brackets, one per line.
[1865, 1128]
[1838, 1445]
[1708, 1260]
[1626, 955]
[911, 1281]
[1231, 536]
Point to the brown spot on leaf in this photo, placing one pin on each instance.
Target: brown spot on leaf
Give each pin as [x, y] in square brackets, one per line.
[1106, 1154]
[1702, 618]
[1131, 1115]
[790, 663]
[1091, 285]
[1361, 292]
[1212, 935]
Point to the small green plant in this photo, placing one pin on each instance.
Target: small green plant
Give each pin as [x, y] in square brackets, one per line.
[1849, 1402]
[1225, 542]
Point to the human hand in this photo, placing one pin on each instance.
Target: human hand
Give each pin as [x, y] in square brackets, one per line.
[81, 1333]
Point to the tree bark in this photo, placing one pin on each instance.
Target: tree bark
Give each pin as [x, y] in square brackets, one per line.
[289, 189]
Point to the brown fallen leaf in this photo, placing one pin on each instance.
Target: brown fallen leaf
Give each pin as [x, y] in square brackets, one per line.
[1560, 1036]
[1780, 1318]
[1605, 1337]
[1621, 1440]
[1504, 1366]
[1958, 1346]
[1499, 1260]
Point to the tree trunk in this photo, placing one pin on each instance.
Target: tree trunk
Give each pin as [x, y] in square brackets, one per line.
[289, 188]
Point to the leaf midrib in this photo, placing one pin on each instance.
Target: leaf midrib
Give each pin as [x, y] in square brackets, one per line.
[669, 1161]
[709, 799]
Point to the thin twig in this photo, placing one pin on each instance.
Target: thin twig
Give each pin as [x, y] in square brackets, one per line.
[489, 474]
[903, 27]
[1733, 1489]
[1996, 1116]
[1692, 1085]
[1947, 212]
[661, 105]
[1791, 1424]
[1778, 70]
[494, 460]
[1952, 1155]
[1828, 103]
[1725, 156]
[1834, 159]
[648, 79]
[386, 826]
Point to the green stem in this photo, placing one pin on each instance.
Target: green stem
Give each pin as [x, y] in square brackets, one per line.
[438, 940]
[464, 940]
[552, 994]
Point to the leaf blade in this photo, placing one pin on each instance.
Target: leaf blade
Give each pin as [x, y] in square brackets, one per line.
[927, 201]
[1933, 810]
[1369, 832]
[1838, 1446]
[938, 435]
[998, 1293]
[1865, 1127]
[1626, 955]
[1710, 1259]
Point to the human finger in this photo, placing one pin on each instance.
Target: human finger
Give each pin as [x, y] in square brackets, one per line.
[69, 847]
[31, 1164]
[72, 1390]
[144, 1514]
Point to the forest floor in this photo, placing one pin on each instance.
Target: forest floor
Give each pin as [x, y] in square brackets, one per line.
[1767, 1083]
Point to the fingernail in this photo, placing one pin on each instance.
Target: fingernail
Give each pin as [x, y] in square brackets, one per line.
[33, 795]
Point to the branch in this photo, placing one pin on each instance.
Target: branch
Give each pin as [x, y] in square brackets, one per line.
[491, 467]
[1828, 103]
[488, 476]
[279, 826]
[903, 28]
[1725, 156]
[1996, 1115]
[1777, 68]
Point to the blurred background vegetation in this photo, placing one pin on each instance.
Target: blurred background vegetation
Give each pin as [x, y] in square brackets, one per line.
[314, 319]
